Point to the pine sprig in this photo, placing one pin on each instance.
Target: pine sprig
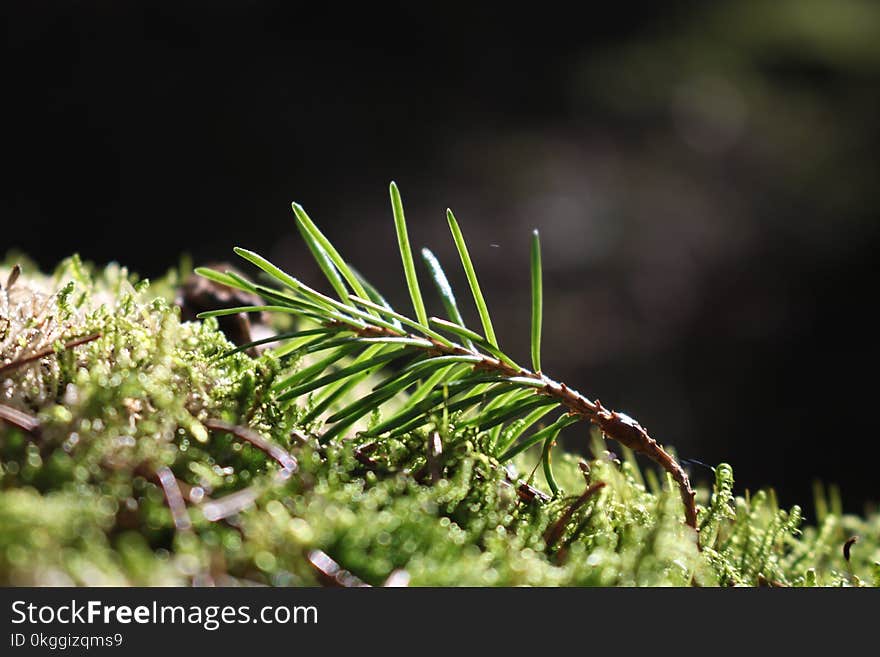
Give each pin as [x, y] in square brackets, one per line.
[447, 369]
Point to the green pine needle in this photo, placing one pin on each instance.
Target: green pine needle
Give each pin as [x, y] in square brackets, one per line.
[278, 274]
[374, 295]
[323, 260]
[409, 267]
[277, 338]
[482, 309]
[222, 278]
[246, 309]
[552, 430]
[547, 465]
[445, 290]
[456, 376]
[537, 300]
[304, 220]
[308, 386]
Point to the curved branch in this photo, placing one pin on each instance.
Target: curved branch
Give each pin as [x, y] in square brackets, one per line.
[617, 426]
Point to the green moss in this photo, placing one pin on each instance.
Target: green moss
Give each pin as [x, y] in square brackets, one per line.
[81, 503]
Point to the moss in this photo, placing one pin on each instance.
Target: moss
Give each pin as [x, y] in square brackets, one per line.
[81, 501]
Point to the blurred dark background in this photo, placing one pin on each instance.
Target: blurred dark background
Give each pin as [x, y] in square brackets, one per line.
[704, 175]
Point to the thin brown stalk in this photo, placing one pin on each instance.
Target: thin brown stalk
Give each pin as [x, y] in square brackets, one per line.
[554, 533]
[525, 491]
[48, 351]
[174, 498]
[278, 453]
[225, 507]
[231, 504]
[19, 419]
[362, 455]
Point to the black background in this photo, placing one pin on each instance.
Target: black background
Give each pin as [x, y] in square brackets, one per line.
[704, 176]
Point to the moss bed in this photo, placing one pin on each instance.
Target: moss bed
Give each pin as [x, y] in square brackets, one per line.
[131, 478]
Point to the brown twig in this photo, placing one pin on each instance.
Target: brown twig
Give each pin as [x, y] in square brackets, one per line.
[617, 426]
[19, 419]
[281, 455]
[48, 351]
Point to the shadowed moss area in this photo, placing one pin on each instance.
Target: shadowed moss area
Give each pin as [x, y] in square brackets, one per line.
[129, 480]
